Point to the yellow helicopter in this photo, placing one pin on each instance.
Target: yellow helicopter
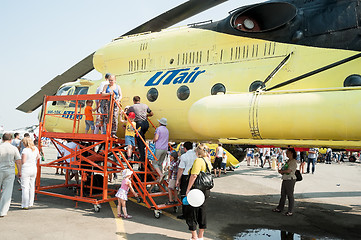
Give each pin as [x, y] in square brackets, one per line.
[276, 73]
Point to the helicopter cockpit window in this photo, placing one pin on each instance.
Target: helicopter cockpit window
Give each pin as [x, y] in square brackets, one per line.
[79, 91]
[218, 88]
[152, 94]
[183, 93]
[62, 92]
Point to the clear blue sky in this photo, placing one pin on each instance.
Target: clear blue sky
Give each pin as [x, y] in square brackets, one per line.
[41, 39]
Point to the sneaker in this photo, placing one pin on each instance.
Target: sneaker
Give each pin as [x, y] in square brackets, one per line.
[127, 217]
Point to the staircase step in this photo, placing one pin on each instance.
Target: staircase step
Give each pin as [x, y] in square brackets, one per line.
[143, 172]
[150, 183]
[158, 194]
[163, 206]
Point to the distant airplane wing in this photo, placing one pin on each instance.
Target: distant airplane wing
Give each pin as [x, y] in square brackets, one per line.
[165, 20]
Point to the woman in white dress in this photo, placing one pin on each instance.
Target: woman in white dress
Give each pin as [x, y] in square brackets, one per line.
[29, 158]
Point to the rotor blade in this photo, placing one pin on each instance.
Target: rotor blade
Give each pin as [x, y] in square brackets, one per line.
[78, 70]
[175, 15]
[166, 19]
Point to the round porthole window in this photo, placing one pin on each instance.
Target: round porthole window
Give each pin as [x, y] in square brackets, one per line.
[255, 85]
[217, 88]
[183, 93]
[353, 80]
[152, 94]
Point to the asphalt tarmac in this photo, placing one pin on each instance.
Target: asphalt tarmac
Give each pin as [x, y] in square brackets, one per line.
[328, 206]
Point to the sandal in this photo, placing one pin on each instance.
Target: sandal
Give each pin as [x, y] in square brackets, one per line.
[120, 215]
[276, 210]
[127, 217]
[288, 214]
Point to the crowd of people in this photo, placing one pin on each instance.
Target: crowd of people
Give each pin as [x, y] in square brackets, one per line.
[307, 159]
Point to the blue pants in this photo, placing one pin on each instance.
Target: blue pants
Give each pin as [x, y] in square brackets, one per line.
[309, 161]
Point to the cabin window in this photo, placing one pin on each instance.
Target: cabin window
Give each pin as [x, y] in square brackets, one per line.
[63, 91]
[255, 85]
[81, 90]
[152, 94]
[218, 88]
[353, 80]
[183, 92]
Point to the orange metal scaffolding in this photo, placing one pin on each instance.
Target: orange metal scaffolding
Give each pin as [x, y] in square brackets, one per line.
[93, 165]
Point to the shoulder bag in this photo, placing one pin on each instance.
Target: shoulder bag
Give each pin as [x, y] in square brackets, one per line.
[298, 176]
[204, 180]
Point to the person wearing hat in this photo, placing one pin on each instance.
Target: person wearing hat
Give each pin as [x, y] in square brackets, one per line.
[130, 134]
[161, 138]
[122, 194]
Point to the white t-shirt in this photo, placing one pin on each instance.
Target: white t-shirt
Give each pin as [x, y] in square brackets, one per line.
[224, 159]
[31, 157]
[61, 150]
[101, 87]
[187, 161]
[220, 152]
[71, 145]
[8, 155]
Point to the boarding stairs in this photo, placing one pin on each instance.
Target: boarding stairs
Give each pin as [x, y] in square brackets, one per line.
[96, 157]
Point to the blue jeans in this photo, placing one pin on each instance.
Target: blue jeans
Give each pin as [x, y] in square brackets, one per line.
[309, 161]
